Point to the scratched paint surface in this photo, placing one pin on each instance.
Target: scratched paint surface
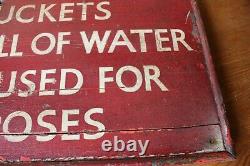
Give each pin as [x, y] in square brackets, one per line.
[183, 120]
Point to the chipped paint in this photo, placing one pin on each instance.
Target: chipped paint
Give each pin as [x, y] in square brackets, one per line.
[1, 78]
[195, 30]
[2, 159]
[176, 154]
[23, 158]
[128, 132]
[46, 106]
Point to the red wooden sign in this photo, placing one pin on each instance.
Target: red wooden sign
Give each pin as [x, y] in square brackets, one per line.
[130, 81]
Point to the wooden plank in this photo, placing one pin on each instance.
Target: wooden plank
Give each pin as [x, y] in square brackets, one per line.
[161, 142]
[159, 86]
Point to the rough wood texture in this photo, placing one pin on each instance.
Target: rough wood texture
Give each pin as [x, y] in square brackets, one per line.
[227, 24]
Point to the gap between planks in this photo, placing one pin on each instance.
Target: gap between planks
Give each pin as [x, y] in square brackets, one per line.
[114, 131]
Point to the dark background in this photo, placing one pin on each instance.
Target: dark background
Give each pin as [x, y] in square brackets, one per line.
[227, 23]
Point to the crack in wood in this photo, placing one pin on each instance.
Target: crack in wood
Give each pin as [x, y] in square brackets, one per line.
[114, 131]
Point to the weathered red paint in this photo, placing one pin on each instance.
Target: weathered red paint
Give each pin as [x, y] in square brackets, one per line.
[184, 123]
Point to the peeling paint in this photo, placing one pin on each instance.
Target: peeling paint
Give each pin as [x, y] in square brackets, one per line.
[195, 30]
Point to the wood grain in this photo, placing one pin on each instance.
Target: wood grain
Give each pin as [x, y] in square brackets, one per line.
[227, 24]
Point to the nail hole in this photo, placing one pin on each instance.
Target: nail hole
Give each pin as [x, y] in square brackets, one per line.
[212, 141]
